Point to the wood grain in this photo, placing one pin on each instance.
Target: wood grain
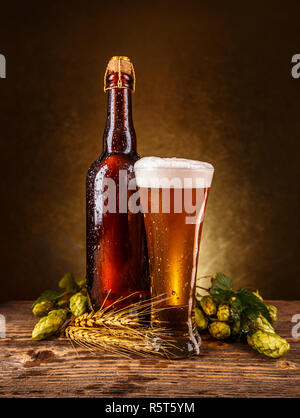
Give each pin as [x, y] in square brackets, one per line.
[54, 369]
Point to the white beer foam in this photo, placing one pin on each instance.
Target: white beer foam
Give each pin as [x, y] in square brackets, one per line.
[173, 172]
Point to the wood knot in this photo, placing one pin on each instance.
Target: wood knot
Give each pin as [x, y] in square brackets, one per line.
[38, 357]
[286, 364]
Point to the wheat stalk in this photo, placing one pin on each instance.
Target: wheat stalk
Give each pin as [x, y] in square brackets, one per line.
[112, 319]
[98, 339]
[121, 330]
[133, 315]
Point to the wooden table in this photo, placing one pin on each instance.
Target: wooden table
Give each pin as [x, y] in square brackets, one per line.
[54, 369]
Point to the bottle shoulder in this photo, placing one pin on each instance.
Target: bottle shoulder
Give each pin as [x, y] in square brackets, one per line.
[109, 164]
[114, 158]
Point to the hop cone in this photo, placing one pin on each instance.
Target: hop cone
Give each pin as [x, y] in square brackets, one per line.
[200, 319]
[42, 308]
[219, 330]
[257, 294]
[208, 305]
[67, 282]
[49, 325]
[82, 287]
[223, 313]
[78, 304]
[269, 344]
[261, 323]
[272, 311]
[236, 327]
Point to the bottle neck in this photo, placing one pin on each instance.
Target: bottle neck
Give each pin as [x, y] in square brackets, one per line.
[119, 134]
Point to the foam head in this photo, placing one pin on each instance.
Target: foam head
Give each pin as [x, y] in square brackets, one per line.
[172, 172]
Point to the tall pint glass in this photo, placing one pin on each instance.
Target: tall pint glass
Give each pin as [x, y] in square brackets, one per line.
[173, 195]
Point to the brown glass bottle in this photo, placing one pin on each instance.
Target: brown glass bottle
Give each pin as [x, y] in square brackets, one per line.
[117, 262]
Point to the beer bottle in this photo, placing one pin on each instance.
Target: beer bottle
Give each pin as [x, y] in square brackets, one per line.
[117, 262]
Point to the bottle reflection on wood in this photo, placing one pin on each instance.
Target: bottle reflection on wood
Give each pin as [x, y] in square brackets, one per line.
[117, 263]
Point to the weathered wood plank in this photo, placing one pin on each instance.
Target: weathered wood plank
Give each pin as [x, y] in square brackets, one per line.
[54, 369]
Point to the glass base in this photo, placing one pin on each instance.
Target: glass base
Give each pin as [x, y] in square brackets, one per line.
[181, 347]
[178, 330]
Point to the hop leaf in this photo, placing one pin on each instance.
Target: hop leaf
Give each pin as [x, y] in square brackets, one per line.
[269, 344]
[64, 300]
[251, 305]
[221, 289]
[50, 295]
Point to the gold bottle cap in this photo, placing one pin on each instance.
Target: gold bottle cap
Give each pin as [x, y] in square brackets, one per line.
[119, 74]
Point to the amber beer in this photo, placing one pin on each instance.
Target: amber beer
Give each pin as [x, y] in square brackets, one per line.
[173, 195]
[117, 261]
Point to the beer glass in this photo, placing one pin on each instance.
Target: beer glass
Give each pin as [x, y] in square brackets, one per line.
[173, 195]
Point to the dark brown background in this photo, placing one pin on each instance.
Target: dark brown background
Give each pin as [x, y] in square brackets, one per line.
[213, 83]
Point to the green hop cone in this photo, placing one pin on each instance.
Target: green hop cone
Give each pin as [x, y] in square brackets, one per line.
[257, 323]
[272, 311]
[262, 324]
[223, 313]
[82, 284]
[82, 287]
[269, 344]
[49, 325]
[78, 304]
[236, 328]
[43, 308]
[200, 319]
[67, 282]
[219, 330]
[258, 295]
[208, 305]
